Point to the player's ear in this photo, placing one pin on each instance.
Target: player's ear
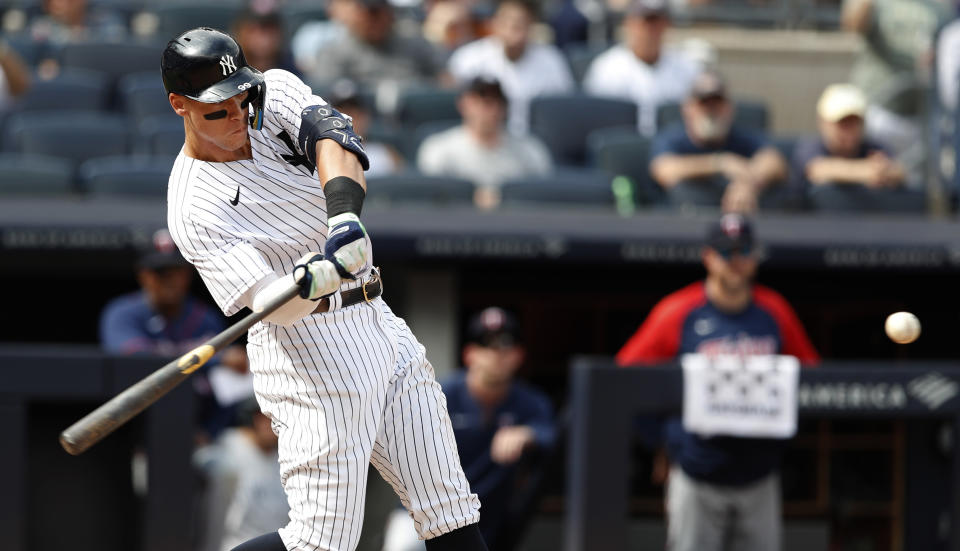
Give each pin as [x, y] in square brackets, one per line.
[178, 102]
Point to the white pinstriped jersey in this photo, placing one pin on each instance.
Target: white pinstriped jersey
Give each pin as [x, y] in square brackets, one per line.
[342, 388]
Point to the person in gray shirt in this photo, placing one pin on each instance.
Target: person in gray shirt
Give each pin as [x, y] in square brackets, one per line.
[373, 51]
[480, 149]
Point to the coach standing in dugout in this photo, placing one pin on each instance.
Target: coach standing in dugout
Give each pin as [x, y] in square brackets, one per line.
[723, 493]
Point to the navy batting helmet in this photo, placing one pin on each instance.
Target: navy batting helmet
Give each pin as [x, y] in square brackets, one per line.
[208, 65]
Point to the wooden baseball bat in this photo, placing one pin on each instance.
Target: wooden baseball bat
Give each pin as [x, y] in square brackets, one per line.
[97, 424]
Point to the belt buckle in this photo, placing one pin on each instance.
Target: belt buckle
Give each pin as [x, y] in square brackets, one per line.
[373, 279]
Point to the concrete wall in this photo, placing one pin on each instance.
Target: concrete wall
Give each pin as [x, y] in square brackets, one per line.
[787, 69]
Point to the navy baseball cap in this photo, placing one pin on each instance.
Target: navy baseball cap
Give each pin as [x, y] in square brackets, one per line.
[161, 254]
[731, 233]
[493, 328]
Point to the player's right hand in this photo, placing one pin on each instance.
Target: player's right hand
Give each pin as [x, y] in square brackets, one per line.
[317, 277]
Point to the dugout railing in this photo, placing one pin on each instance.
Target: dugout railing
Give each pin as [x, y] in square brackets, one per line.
[606, 399]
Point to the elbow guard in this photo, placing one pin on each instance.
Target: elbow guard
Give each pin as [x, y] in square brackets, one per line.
[320, 122]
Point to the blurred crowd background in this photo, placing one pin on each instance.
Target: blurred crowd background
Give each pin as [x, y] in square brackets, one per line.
[675, 108]
[562, 101]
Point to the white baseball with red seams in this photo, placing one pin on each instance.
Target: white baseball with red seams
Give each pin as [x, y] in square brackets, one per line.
[902, 327]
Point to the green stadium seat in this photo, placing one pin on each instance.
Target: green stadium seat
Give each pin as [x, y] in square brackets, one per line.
[580, 188]
[624, 152]
[111, 58]
[419, 189]
[131, 176]
[750, 114]
[142, 95]
[34, 174]
[416, 106]
[182, 16]
[563, 122]
[72, 89]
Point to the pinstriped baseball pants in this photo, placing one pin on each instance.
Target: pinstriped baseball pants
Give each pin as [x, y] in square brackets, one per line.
[345, 389]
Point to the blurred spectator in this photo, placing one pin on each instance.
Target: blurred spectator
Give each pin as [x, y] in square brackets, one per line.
[723, 492]
[841, 154]
[895, 65]
[384, 159]
[480, 149]
[313, 36]
[244, 495]
[523, 68]
[448, 25]
[500, 426]
[496, 419]
[261, 36]
[697, 160]
[15, 77]
[641, 69]
[163, 319]
[373, 52]
[948, 65]
[67, 21]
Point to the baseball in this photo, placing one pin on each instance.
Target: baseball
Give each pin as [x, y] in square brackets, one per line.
[902, 327]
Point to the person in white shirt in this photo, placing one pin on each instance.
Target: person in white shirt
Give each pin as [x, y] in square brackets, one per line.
[641, 68]
[244, 494]
[524, 69]
[480, 149]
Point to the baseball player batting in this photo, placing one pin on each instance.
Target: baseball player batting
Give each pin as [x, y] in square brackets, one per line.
[266, 193]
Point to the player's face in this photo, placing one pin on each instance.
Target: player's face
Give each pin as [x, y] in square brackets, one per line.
[215, 128]
[734, 269]
[484, 114]
[644, 34]
[494, 364]
[708, 119]
[842, 138]
[512, 26]
[166, 288]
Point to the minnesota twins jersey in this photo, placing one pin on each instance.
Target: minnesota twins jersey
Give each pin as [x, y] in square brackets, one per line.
[343, 387]
[686, 322]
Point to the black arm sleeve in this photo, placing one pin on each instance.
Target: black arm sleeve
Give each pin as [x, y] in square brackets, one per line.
[322, 122]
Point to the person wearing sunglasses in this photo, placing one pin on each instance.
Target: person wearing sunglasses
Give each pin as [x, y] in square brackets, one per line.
[723, 492]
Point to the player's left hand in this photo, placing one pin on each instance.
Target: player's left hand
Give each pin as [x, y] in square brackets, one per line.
[509, 442]
[346, 244]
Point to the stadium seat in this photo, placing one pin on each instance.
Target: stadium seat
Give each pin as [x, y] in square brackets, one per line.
[412, 145]
[34, 174]
[416, 106]
[854, 198]
[416, 188]
[563, 122]
[622, 151]
[76, 136]
[575, 187]
[72, 89]
[135, 175]
[142, 95]
[580, 56]
[111, 58]
[181, 16]
[749, 114]
[159, 135]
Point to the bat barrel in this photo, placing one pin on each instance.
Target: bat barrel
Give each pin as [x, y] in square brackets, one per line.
[99, 423]
[102, 421]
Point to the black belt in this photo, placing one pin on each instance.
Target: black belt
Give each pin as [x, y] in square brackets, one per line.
[370, 290]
